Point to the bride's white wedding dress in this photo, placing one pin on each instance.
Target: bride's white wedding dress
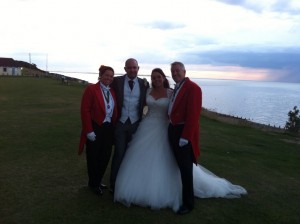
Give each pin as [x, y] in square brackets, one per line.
[149, 175]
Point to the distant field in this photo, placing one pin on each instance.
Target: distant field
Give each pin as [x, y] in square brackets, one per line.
[43, 180]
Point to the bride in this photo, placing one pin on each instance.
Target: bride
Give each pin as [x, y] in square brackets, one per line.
[149, 175]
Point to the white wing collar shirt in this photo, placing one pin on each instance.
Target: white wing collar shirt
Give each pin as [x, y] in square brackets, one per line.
[130, 107]
[109, 102]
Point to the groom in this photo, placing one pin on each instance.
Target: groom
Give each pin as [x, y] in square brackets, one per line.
[184, 113]
[131, 99]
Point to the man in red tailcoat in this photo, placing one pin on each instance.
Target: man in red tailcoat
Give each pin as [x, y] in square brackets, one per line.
[184, 114]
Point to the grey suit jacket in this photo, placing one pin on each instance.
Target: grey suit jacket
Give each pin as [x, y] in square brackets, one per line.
[118, 86]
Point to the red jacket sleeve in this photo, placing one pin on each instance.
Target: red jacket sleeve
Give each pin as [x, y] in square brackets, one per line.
[193, 107]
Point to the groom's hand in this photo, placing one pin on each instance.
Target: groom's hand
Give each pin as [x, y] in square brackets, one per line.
[91, 136]
[183, 142]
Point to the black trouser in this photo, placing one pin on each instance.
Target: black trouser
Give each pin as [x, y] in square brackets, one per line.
[184, 158]
[123, 135]
[98, 153]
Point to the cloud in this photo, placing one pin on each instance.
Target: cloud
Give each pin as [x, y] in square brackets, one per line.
[283, 63]
[268, 59]
[286, 6]
[75, 35]
[163, 25]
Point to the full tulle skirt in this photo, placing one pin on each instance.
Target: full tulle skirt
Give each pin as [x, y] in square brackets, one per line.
[149, 175]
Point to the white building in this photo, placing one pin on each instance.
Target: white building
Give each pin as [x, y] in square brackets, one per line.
[9, 66]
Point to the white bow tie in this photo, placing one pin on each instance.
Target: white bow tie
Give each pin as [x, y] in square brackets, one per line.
[107, 88]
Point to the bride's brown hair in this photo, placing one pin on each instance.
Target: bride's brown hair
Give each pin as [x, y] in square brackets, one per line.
[166, 81]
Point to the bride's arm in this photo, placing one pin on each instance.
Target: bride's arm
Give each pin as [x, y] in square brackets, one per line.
[145, 110]
[169, 92]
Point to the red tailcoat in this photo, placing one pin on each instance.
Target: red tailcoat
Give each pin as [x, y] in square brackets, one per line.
[186, 109]
[93, 109]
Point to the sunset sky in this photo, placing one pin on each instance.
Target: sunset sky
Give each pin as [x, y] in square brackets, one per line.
[227, 39]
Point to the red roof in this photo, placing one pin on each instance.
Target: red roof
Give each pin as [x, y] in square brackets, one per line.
[9, 62]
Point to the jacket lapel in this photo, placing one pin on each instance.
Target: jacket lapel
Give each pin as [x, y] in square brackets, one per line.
[180, 94]
[100, 100]
[142, 89]
[120, 89]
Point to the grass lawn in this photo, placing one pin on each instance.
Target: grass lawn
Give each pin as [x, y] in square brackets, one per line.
[43, 180]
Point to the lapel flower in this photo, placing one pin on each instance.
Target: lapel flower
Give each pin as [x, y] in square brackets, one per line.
[146, 84]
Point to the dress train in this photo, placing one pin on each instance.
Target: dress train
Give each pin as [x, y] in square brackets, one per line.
[149, 175]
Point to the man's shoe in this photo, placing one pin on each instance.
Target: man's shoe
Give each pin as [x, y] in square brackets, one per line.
[183, 210]
[97, 190]
[111, 190]
[103, 186]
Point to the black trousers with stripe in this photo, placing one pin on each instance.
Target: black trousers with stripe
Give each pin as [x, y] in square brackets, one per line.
[98, 153]
[184, 158]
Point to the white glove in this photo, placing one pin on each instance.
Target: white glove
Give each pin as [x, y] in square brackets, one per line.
[91, 136]
[183, 142]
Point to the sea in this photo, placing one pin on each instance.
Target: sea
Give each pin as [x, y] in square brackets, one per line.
[257, 101]
[261, 102]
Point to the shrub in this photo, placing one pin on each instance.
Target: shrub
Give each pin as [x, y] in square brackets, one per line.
[293, 124]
